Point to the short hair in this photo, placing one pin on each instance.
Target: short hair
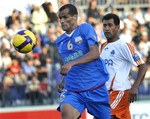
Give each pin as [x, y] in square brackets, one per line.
[72, 9]
[112, 16]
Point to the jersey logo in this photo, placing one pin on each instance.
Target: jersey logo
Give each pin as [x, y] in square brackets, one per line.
[78, 40]
[136, 57]
[112, 53]
[109, 62]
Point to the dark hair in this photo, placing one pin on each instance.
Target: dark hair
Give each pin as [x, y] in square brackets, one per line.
[112, 16]
[72, 9]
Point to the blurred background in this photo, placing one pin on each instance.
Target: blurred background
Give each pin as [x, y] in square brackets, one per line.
[31, 79]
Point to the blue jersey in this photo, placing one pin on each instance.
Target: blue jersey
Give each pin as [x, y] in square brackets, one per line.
[71, 47]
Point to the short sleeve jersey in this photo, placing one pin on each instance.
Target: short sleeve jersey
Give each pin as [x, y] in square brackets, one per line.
[119, 56]
[74, 46]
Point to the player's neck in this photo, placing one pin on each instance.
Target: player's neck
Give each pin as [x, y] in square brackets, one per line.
[113, 39]
[72, 29]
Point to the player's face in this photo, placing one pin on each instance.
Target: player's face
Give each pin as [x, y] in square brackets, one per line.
[110, 29]
[68, 22]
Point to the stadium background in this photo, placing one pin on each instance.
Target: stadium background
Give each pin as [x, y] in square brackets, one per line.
[27, 82]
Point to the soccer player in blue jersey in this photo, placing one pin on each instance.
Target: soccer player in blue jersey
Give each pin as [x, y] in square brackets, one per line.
[84, 72]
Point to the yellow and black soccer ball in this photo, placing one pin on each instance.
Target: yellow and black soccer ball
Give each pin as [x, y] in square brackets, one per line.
[24, 41]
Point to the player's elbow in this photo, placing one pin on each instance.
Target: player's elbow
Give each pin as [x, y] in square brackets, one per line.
[143, 67]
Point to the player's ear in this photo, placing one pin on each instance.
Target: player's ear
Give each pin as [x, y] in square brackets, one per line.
[75, 16]
[118, 27]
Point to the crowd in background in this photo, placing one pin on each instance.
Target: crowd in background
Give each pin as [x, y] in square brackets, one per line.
[31, 79]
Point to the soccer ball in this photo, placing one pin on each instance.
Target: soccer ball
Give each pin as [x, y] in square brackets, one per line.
[24, 41]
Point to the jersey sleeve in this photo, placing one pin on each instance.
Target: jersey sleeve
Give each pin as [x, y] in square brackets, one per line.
[129, 53]
[89, 34]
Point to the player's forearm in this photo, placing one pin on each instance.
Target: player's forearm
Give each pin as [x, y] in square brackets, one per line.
[63, 81]
[93, 54]
[140, 75]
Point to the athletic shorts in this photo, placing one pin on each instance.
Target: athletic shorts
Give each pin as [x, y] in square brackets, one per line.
[119, 104]
[95, 101]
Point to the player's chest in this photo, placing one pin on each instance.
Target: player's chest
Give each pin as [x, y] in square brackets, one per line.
[73, 44]
[111, 55]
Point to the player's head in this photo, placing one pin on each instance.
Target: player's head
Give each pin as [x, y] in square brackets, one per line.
[111, 25]
[68, 16]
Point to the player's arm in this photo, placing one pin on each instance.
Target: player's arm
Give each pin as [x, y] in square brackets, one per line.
[130, 54]
[60, 86]
[140, 77]
[93, 54]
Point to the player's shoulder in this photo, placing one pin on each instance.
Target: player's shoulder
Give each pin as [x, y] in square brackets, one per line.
[60, 38]
[125, 44]
[85, 25]
[118, 43]
[84, 28]
[121, 43]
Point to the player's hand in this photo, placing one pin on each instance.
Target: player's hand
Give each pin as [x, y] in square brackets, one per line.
[60, 87]
[133, 94]
[65, 68]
